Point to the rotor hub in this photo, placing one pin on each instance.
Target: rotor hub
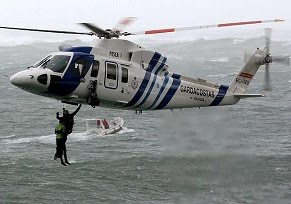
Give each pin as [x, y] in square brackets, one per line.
[268, 58]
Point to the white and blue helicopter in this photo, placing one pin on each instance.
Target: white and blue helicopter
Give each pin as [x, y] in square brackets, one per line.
[117, 73]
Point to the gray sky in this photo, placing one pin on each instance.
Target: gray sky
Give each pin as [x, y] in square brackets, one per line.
[151, 14]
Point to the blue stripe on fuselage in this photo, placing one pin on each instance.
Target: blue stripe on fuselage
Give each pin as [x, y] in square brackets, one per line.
[166, 79]
[154, 61]
[149, 91]
[83, 49]
[171, 92]
[71, 79]
[140, 91]
[219, 97]
[176, 76]
[161, 65]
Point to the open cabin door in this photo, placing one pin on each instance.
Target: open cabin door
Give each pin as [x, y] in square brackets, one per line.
[92, 98]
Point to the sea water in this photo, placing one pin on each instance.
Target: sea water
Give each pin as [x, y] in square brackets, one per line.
[231, 154]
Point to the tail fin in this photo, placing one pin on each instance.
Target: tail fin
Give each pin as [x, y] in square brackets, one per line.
[244, 77]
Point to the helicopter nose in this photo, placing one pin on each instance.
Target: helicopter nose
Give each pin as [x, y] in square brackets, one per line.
[26, 80]
[22, 79]
[19, 79]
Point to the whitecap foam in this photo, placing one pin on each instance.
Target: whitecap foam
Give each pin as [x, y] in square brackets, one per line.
[224, 59]
[125, 130]
[238, 41]
[20, 140]
[122, 131]
[51, 139]
[173, 56]
[222, 75]
[47, 139]
[81, 136]
[281, 169]
[6, 136]
[287, 44]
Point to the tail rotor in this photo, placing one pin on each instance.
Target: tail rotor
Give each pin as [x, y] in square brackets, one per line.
[269, 59]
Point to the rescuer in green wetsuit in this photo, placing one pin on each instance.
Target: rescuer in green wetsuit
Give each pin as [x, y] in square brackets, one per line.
[61, 138]
[63, 129]
[69, 118]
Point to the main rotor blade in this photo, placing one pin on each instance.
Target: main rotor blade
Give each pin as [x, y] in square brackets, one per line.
[281, 59]
[169, 30]
[47, 31]
[123, 23]
[95, 29]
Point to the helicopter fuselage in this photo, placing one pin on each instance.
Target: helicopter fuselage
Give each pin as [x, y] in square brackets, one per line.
[120, 74]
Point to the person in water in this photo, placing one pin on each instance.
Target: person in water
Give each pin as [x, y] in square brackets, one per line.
[63, 129]
[105, 123]
[61, 138]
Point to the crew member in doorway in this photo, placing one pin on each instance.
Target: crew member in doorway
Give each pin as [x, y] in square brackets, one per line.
[61, 138]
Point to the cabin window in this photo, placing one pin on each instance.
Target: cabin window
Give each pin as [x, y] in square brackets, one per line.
[124, 77]
[111, 71]
[95, 68]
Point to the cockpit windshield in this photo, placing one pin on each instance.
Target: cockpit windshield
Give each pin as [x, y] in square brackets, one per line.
[41, 61]
[57, 63]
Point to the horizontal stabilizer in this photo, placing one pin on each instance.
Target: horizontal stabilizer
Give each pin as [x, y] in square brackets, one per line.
[242, 96]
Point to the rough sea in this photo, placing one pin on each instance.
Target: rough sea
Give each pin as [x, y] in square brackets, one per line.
[231, 154]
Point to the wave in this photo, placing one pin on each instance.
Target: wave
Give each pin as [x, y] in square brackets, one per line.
[125, 130]
[46, 138]
[222, 75]
[224, 59]
[7, 136]
[238, 41]
[287, 44]
[173, 56]
[50, 139]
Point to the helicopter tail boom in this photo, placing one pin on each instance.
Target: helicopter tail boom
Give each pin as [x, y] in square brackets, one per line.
[245, 76]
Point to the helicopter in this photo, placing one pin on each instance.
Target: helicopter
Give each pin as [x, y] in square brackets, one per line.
[117, 73]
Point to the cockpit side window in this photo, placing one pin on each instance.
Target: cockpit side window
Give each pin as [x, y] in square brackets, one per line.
[80, 64]
[58, 63]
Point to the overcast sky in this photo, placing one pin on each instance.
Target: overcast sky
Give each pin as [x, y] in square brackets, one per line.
[151, 14]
